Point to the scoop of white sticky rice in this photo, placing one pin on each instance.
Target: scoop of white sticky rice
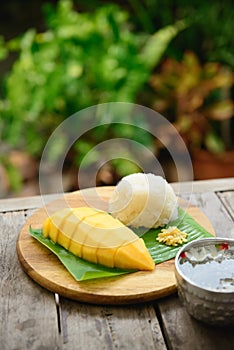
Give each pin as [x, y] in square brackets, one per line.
[143, 200]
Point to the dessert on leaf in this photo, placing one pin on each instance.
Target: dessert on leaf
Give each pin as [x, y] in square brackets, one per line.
[145, 227]
[97, 237]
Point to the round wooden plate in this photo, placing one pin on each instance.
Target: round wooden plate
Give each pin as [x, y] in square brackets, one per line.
[45, 268]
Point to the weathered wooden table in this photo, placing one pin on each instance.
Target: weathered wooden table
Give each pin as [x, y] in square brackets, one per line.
[34, 318]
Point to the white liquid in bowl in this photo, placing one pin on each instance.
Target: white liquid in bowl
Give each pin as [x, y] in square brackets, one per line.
[210, 267]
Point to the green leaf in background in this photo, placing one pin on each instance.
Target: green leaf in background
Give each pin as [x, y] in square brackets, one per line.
[81, 59]
[14, 176]
[83, 270]
[158, 42]
[214, 143]
[3, 49]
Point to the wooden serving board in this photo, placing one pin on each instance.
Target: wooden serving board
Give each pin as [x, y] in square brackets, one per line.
[45, 268]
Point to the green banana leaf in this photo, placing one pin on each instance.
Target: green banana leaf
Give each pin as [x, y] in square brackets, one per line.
[83, 270]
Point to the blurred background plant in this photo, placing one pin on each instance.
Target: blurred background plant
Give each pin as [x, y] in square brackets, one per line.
[197, 99]
[82, 59]
[83, 53]
[210, 36]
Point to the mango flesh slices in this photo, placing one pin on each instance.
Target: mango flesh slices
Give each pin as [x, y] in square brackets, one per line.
[96, 236]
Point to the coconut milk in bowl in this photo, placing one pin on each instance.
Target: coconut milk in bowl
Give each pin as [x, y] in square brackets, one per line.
[204, 272]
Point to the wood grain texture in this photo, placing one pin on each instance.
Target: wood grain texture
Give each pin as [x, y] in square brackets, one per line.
[227, 198]
[45, 268]
[201, 186]
[184, 332]
[21, 203]
[28, 314]
[180, 188]
[216, 212]
[111, 327]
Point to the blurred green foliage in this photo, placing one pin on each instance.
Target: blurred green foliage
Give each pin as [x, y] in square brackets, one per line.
[210, 33]
[197, 99]
[14, 176]
[93, 52]
[80, 60]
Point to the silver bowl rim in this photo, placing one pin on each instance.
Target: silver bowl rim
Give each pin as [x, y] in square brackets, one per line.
[200, 242]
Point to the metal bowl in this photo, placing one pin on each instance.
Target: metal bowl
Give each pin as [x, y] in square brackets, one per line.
[204, 271]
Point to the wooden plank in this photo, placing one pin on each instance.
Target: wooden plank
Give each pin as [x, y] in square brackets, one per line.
[28, 313]
[12, 204]
[94, 327]
[210, 204]
[213, 185]
[227, 199]
[181, 330]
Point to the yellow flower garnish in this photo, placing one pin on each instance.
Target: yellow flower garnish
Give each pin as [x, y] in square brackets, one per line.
[172, 236]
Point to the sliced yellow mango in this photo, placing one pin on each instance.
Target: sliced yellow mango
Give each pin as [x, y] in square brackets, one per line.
[134, 254]
[97, 237]
[53, 230]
